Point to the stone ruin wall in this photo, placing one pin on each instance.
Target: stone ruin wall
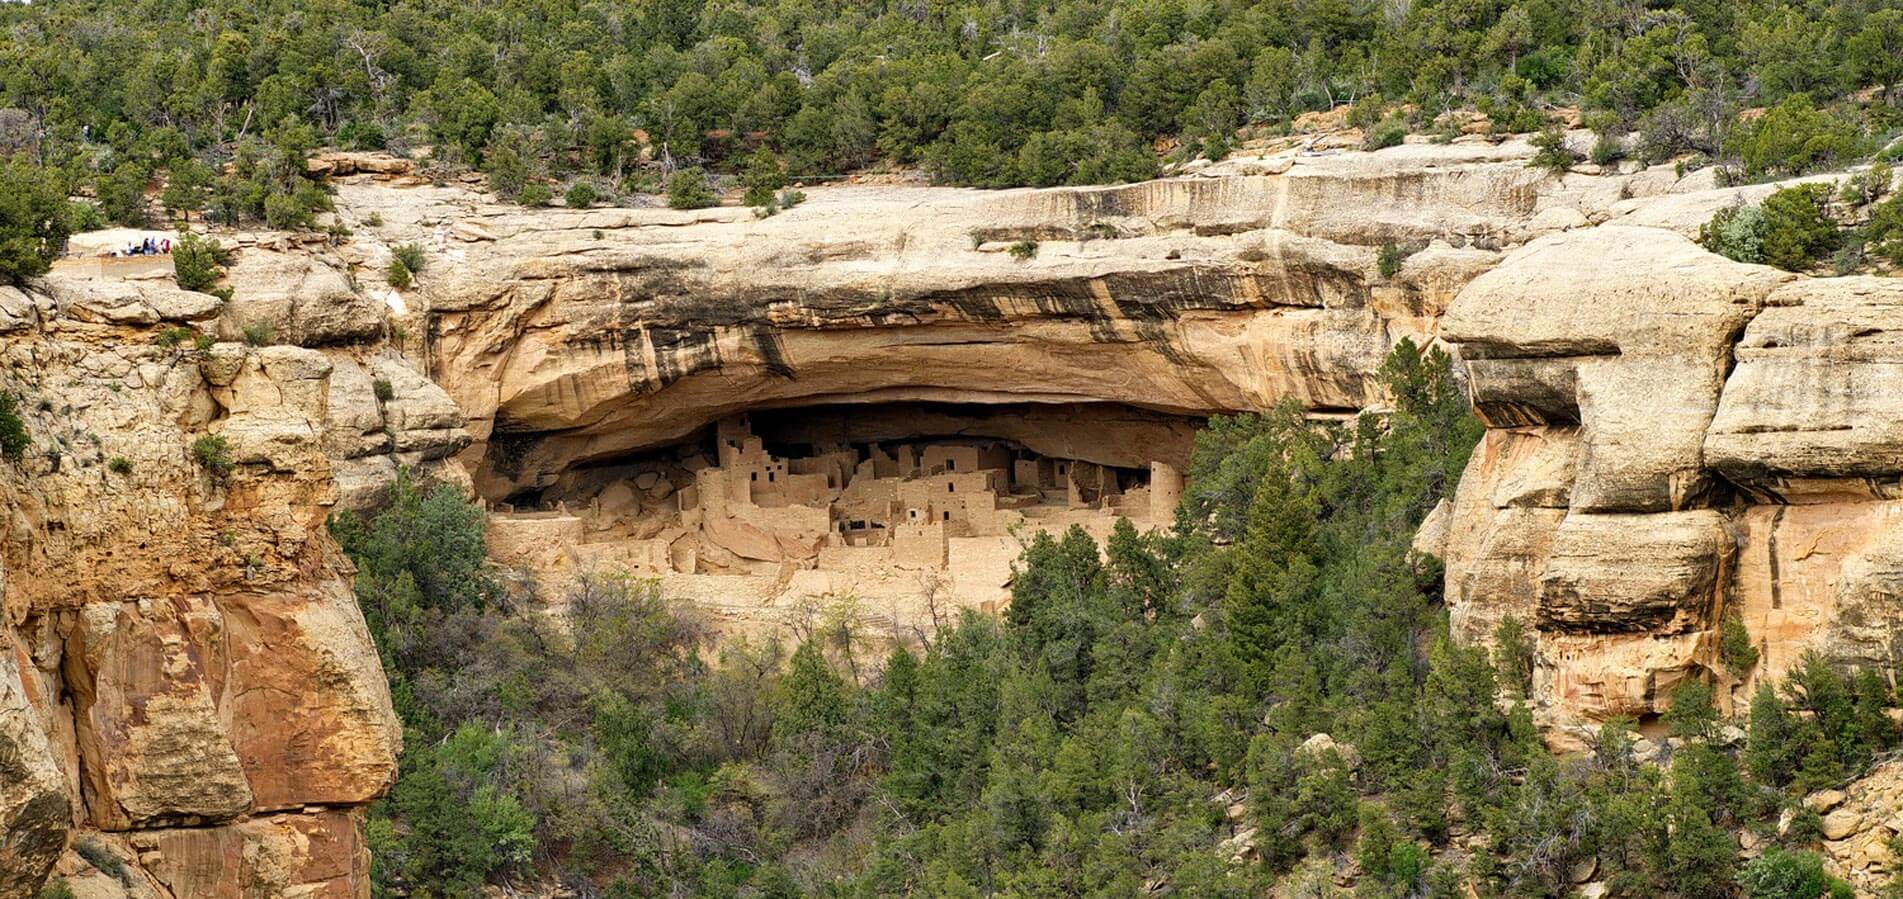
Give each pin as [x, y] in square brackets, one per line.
[873, 526]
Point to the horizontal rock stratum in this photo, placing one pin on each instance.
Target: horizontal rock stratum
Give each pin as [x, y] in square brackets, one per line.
[186, 680]
[572, 336]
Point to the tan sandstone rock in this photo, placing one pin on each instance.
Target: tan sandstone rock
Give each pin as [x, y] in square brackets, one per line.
[305, 301]
[34, 813]
[1813, 404]
[1509, 504]
[312, 853]
[145, 678]
[310, 710]
[1634, 573]
[1625, 331]
[180, 652]
[576, 336]
[1630, 491]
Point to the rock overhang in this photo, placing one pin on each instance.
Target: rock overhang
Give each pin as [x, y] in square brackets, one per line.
[1609, 351]
[1189, 296]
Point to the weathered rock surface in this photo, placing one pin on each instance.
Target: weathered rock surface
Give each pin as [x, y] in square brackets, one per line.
[1676, 438]
[1859, 822]
[1815, 404]
[180, 651]
[124, 303]
[1574, 327]
[303, 300]
[34, 812]
[1501, 525]
[310, 853]
[575, 336]
[1647, 397]
[1624, 573]
[145, 716]
[185, 677]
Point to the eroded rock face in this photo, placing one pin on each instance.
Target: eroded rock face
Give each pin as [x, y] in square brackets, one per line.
[1649, 402]
[581, 343]
[1501, 524]
[146, 714]
[573, 337]
[1574, 327]
[184, 673]
[34, 808]
[1623, 573]
[1813, 404]
[1676, 438]
[303, 300]
[315, 853]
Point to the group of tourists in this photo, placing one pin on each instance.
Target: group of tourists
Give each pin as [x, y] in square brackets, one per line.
[151, 246]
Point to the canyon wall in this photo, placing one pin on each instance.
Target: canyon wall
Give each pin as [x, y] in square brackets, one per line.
[186, 683]
[1675, 439]
[572, 336]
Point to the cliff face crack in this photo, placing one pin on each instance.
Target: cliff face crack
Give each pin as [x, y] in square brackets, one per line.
[766, 341]
[1773, 560]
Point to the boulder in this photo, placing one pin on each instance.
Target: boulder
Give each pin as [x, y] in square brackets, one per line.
[1824, 800]
[1816, 398]
[276, 408]
[1634, 573]
[19, 310]
[305, 300]
[1510, 502]
[1431, 537]
[117, 302]
[183, 305]
[1842, 823]
[1319, 747]
[363, 483]
[101, 301]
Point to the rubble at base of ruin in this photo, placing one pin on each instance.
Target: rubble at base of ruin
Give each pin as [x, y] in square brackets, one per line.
[899, 534]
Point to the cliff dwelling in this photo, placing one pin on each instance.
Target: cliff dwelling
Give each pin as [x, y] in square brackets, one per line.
[895, 514]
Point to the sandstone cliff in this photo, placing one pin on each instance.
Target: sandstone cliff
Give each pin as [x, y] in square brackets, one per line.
[186, 683]
[570, 336]
[1674, 436]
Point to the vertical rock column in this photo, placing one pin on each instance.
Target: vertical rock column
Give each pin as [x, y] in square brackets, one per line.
[186, 682]
[1166, 491]
[1597, 358]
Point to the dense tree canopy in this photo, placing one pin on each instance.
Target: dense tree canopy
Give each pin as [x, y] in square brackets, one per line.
[33, 221]
[120, 96]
